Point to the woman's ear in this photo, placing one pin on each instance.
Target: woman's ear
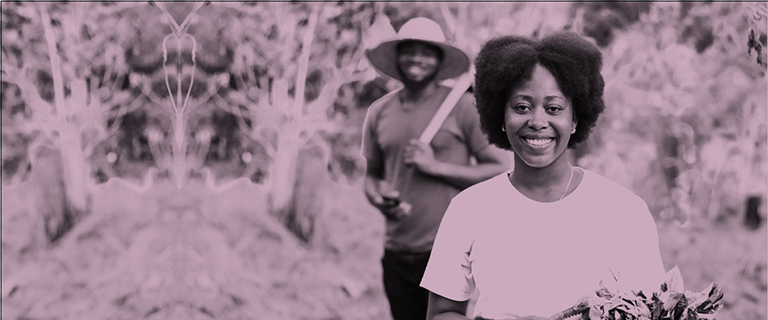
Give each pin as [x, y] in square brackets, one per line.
[575, 122]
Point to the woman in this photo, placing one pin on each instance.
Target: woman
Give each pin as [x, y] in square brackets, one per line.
[535, 240]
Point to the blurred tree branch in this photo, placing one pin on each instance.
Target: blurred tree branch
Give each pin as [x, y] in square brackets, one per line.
[84, 109]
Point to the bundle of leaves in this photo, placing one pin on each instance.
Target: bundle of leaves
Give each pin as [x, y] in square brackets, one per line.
[672, 302]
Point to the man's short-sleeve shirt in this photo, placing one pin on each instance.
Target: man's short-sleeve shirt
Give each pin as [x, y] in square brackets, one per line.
[387, 131]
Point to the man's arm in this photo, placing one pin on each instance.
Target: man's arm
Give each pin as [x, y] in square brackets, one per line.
[490, 162]
[441, 308]
[374, 174]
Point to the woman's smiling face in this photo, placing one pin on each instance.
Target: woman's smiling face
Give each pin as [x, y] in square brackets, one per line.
[538, 119]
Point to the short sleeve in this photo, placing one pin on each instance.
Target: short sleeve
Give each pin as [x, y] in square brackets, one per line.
[470, 124]
[370, 149]
[448, 271]
[640, 263]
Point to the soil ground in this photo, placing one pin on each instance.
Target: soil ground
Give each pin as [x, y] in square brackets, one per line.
[194, 253]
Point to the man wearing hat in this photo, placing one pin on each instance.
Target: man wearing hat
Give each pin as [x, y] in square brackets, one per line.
[413, 182]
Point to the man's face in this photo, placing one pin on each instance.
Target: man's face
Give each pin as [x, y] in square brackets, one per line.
[418, 61]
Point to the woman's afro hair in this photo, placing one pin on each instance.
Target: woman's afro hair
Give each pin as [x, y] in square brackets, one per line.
[506, 61]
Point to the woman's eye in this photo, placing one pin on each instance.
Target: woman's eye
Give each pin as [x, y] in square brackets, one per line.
[521, 107]
[554, 109]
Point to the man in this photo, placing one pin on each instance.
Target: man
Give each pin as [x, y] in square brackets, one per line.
[410, 182]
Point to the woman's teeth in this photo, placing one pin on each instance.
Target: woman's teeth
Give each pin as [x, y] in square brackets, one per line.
[538, 142]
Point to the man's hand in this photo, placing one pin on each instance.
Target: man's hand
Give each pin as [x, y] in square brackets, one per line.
[421, 156]
[396, 212]
[386, 200]
[490, 162]
[390, 205]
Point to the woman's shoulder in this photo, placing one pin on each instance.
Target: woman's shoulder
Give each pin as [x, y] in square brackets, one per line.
[616, 198]
[475, 206]
[488, 189]
[606, 187]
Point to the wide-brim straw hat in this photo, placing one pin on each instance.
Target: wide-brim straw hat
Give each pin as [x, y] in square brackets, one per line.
[384, 56]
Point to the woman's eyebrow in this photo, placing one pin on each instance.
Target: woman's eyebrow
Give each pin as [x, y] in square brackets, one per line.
[528, 97]
[549, 98]
[522, 96]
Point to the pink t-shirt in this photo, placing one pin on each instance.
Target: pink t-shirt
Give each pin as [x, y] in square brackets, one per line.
[531, 258]
[387, 131]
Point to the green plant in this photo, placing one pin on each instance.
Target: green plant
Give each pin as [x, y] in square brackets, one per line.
[671, 302]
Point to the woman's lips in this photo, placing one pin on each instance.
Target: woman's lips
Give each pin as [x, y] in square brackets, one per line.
[538, 142]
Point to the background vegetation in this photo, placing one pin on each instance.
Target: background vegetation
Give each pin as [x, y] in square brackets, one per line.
[201, 160]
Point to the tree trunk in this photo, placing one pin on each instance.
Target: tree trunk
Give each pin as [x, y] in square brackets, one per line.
[75, 175]
[308, 205]
[283, 172]
[179, 169]
[298, 187]
[284, 167]
[73, 162]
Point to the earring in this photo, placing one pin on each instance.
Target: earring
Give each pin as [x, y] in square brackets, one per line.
[503, 129]
[573, 131]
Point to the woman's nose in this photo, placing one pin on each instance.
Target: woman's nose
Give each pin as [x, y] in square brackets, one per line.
[538, 119]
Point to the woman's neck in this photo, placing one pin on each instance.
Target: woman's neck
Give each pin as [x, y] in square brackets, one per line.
[551, 178]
